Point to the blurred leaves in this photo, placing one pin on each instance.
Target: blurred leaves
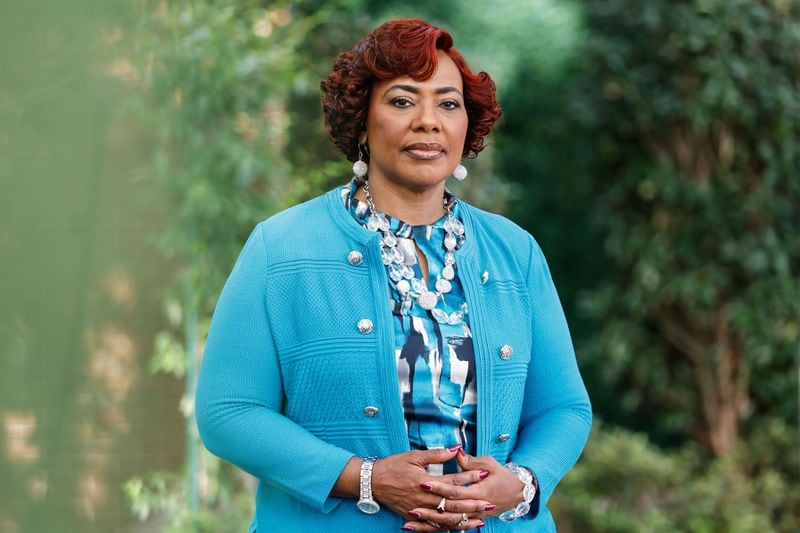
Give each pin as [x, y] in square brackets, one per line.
[651, 148]
[624, 483]
[695, 151]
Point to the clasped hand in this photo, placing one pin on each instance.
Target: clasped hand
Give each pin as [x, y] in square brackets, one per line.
[483, 489]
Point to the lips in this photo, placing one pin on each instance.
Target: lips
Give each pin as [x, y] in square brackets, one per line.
[424, 150]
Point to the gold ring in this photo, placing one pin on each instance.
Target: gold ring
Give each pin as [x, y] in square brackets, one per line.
[464, 519]
[440, 507]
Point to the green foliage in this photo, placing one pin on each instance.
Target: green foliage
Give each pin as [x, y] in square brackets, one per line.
[663, 155]
[169, 356]
[697, 134]
[656, 163]
[229, 500]
[625, 483]
[217, 78]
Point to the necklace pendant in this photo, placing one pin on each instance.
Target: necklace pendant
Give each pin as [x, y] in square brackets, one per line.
[403, 287]
[389, 239]
[407, 271]
[395, 272]
[448, 272]
[443, 286]
[397, 256]
[427, 300]
[372, 223]
[450, 242]
[383, 223]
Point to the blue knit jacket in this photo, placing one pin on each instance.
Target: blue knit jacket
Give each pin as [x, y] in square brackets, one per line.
[287, 374]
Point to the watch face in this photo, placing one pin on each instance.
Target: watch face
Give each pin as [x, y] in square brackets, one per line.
[368, 506]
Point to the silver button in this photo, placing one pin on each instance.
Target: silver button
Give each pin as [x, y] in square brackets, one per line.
[371, 411]
[485, 276]
[503, 437]
[506, 351]
[355, 258]
[365, 325]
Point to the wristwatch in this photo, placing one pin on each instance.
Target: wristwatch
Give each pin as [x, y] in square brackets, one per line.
[365, 503]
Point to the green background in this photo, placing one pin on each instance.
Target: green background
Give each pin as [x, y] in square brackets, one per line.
[652, 148]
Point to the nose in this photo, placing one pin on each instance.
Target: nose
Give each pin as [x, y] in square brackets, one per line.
[427, 118]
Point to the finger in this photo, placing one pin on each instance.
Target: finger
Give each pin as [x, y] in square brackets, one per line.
[470, 462]
[425, 526]
[446, 521]
[455, 492]
[464, 478]
[474, 508]
[439, 455]
[432, 525]
[421, 526]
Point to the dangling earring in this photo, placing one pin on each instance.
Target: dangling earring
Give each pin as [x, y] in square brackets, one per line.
[460, 172]
[360, 167]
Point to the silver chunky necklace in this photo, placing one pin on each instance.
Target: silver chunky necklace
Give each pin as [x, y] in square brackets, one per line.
[408, 286]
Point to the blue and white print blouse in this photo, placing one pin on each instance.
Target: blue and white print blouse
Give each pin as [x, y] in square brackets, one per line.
[435, 361]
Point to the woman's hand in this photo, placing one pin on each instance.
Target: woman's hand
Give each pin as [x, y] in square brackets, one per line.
[402, 483]
[500, 486]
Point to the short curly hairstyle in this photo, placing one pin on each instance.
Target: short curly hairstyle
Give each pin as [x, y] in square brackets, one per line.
[401, 47]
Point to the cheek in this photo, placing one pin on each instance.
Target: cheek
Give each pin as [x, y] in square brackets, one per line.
[462, 133]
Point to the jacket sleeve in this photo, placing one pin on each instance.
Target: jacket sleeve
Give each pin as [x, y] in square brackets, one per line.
[556, 414]
[240, 393]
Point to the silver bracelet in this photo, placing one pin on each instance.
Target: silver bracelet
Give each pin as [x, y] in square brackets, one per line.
[528, 493]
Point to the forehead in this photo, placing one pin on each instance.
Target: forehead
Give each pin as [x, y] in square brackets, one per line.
[445, 75]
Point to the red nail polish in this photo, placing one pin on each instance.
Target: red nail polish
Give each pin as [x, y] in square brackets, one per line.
[454, 448]
[461, 452]
[490, 507]
[406, 528]
[483, 474]
[426, 486]
[415, 514]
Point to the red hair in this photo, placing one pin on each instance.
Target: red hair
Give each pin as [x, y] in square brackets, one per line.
[401, 47]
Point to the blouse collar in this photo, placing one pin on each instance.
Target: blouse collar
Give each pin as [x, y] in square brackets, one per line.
[360, 211]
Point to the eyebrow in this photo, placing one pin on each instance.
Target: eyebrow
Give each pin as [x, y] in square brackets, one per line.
[415, 90]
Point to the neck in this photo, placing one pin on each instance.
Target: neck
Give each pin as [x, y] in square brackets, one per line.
[414, 207]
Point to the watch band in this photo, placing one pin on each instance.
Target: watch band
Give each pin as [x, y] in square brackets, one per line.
[366, 503]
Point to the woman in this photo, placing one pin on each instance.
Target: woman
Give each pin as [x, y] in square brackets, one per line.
[385, 356]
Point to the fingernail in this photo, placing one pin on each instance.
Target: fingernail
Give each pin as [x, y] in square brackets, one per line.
[490, 507]
[426, 486]
[483, 474]
[406, 528]
[415, 514]
[480, 525]
[454, 448]
[461, 452]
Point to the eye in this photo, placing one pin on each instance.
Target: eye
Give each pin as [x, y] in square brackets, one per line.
[450, 105]
[402, 102]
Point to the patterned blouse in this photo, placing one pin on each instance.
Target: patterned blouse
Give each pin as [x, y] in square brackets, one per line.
[435, 360]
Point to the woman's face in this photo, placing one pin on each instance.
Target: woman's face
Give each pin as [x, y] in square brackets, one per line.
[416, 129]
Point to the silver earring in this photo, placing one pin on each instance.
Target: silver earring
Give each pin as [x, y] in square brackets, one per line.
[360, 167]
[460, 172]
